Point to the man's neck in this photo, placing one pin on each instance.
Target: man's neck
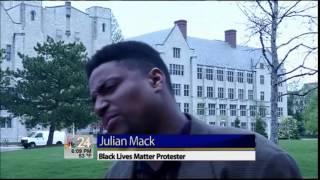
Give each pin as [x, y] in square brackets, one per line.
[172, 122]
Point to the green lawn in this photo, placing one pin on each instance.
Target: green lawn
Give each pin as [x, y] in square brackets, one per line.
[49, 162]
[305, 152]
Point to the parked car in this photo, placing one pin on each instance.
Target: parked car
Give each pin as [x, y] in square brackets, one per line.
[40, 138]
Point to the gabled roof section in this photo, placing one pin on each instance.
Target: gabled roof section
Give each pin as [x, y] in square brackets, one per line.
[153, 38]
[220, 53]
[6, 12]
[175, 26]
[210, 52]
[157, 37]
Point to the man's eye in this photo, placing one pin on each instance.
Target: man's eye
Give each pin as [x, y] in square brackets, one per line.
[107, 89]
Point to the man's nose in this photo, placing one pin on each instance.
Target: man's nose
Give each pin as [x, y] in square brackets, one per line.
[100, 106]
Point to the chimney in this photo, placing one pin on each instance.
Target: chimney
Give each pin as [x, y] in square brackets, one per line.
[230, 36]
[182, 24]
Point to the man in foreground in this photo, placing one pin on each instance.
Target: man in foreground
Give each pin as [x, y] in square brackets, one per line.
[131, 91]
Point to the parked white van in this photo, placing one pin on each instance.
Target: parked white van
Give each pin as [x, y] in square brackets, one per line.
[40, 138]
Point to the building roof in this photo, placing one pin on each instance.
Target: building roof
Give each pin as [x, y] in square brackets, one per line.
[210, 52]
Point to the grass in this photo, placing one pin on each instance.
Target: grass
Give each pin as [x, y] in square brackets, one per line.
[47, 163]
[305, 152]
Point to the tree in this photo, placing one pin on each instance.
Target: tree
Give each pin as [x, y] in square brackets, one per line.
[267, 20]
[310, 113]
[261, 126]
[289, 129]
[4, 82]
[51, 89]
[300, 124]
[116, 34]
[237, 123]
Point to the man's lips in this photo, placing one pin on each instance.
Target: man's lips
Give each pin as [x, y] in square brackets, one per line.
[110, 121]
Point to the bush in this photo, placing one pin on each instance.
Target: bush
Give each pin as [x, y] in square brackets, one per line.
[261, 127]
[289, 129]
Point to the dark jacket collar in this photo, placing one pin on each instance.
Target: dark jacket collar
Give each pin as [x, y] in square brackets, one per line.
[124, 169]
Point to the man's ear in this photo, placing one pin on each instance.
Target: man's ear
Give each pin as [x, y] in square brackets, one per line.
[157, 79]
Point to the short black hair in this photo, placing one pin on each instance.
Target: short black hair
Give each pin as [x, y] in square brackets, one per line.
[132, 54]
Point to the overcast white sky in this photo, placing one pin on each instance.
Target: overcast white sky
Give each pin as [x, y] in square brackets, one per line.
[206, 19]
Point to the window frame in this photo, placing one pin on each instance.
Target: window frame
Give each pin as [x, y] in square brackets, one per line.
[240, 77]
[231, 93]
[199, 91]
[220, 74]
[199, 73]
[221, 93]
[230, 75]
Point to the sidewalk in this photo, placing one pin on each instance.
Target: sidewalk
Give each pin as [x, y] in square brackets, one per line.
[10, 148]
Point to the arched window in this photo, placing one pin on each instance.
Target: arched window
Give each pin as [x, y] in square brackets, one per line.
[33, 15]
[103, 27]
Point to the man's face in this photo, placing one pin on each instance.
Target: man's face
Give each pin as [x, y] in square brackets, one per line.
[124, 99]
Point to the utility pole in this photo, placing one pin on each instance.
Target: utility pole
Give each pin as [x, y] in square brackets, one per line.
[72, 129]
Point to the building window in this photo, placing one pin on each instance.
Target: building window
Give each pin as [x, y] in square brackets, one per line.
[199, 91]
[200, 109]
[212, 109]
[9, 123]
[243, 125]
[230, 93]
[240, 94]
[233, 110]
[186, 107]
[186, 90]
[279, 97]
[76, 36]
[262, 111]
[222, 108]
[59, 34]
[209, 74]
[249, 78]
[210, 92]
[178, 104]
[8, 52]
[240, 77]
[175, 69]
[199, 73]
[212, 123]
[280, 111]
[220, 93]
[262, 96]
[103, 27]
[261, 79]
[250, 94]
[232, 124]
[33, 15]
[261, 66]
[2, 124]
[253, 126]
[280, 79]
[176, 52]
[176, 89]
[230, 76]
[252, 111]
[223, 123]
[220, 74]
[243, 111]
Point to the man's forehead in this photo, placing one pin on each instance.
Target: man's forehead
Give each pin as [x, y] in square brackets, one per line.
[104, 72]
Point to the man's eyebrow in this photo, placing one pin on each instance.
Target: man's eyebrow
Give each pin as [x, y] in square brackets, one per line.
[102, 83]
